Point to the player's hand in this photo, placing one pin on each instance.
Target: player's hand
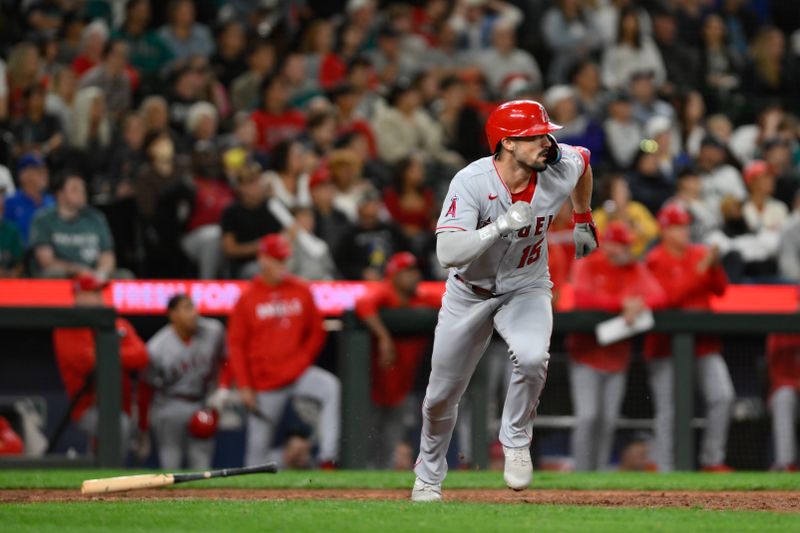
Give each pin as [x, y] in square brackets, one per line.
[711, 258]
[219, 399]
[248, 398]
[632, 307]
[386, 353]
[585, 237]
[517, 217]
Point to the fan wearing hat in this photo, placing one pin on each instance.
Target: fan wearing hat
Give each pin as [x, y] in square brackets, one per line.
[690, 275]
[612, 281]
[75, 352]
[394, 360]
[762, 211]
[275, 334]
[31, 194]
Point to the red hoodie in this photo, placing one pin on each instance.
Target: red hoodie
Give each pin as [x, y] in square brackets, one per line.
[75, 354]
[601, 285]
[686, 289]
[274, 334]
[783, 360]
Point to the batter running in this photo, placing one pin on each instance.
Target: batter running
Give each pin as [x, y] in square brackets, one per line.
[491, 234]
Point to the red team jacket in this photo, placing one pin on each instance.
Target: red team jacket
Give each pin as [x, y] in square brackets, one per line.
[783, 360]
[272, 129]
[685, 289]
[75, 354]
[274, 334]
[601, 285]
[390, 386]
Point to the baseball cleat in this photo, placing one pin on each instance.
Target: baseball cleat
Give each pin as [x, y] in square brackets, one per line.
[518, 473]
[426, 492]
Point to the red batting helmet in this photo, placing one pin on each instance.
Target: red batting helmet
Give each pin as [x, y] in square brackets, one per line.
[275, 245]
[673, 214]
[203, 424]
[518, 118]
[400, 261]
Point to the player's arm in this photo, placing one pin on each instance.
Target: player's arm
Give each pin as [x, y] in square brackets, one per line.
[585, 233]
[367, 310]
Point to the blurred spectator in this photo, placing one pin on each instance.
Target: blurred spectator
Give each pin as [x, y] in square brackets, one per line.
[689, 195]
[89, 134]
[157, 174]
[275, 121]
[504, 59]
[720, 179]
[209, 88]
[411, 203]
[345, 168]
[185, 91]
[31, 194]
[155, 115]
[311, 256]
[578, 129]
[571, 33]
[321, 135]
[61, 96]
[783, 361]
[778, 154]
[649, 185]
[474, 21]
[111, 77]
[390, 61]
[93, 41]
[691, 113]
[789, 249]
[202, 121]
[246, 221]
[462, 126]
[182, 34]
[71, 237]
[646, 103]
[608, 13]
[287, 179]
[585, 79]
[632, 51]
[229, 60]
[245, 89]
[721, 62]
[394, 360]
[619, 206]
[317, 43]
[770, 74]
[330, 224]
[11, 246]
[623, 133]
[365, 250]
[610, 280]
[148, 52]
[293, 71]
[35, 130]
[761, 211]
[23, 74]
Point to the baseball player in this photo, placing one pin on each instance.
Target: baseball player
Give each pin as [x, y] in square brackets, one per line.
[491, 234]
[75, 354]
[274, 335]
[611, 281]
[783, 359]
[689, 274]
[186, 356]
[395, 361]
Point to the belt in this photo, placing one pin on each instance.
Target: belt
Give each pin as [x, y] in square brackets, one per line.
[184, 397]
[480, 291]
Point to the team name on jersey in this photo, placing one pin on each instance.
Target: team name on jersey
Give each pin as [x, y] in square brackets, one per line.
[279, 308]
[539, 226]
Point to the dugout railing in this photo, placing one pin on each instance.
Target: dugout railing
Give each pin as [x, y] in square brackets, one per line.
[354, 361]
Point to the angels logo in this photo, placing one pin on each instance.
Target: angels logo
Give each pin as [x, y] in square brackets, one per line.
[451, 211]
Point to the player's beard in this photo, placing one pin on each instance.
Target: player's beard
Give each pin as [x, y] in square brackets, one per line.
[532, 166]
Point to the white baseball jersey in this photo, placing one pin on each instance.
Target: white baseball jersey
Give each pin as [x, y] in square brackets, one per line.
[178, 368]
[477, 196]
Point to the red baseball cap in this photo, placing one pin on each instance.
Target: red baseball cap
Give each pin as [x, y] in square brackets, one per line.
[87, 281]
[400, 261]
[673, 214]
[275, 245]
[756, 168]
[618, 232]
[320, 176]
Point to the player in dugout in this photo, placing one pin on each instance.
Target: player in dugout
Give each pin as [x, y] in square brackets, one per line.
[614, 281]
[76, 355]
[783, 361]
[275, 334]
[394, 360]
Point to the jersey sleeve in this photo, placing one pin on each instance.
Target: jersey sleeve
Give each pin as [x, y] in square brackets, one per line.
[460, 209]
[578, 158]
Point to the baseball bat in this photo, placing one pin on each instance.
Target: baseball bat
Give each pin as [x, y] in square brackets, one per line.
[151, 481]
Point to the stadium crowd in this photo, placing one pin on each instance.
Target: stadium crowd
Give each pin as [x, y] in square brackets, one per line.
[168, 139]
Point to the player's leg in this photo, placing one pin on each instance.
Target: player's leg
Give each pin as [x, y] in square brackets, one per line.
[325, 388]
[170, 426]
[585, 388]
[717, 389]
[200, 453]
[661, 376]
[525, 321]
[783, 405]
[463, 331]
[261, 431]
[613, 391]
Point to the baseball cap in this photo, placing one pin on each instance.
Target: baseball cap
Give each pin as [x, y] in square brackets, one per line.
[29, 160]
[656, 126]
[618, 232]
[673, 214]
[756, 168]
[557, 93]
[321, 176]
[87, 281]
[400, 261]
[275, 245]
[710, 140]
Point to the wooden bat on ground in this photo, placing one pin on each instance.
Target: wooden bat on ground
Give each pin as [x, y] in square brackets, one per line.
[151, 481]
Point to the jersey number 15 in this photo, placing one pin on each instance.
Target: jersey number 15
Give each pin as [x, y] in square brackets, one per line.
[531, 254]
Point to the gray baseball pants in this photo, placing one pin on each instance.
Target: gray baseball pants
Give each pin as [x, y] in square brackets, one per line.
[170, 420]
[783, 405]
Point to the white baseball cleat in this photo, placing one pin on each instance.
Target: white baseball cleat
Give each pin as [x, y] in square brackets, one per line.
[426, 492]
[519, 468]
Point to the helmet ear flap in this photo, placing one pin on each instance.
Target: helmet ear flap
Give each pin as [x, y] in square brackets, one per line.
[554, 153]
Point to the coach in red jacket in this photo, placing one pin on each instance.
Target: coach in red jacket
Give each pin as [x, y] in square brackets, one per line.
[690, 275]
[783, 360]
[274, 335]
[610, 281]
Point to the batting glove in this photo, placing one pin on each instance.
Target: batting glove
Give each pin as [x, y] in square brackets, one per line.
[517, 217]
[584, 234]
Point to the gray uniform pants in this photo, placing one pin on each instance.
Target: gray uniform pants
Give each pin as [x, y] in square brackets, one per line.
[596, 398]
[524, 318]
[176, 447]
[315, 383]
[783, 405]
[715, 385]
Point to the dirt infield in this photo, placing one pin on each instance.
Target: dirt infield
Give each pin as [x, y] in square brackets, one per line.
[729, 501]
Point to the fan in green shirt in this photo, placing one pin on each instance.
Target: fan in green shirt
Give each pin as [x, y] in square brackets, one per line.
[11, 247]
